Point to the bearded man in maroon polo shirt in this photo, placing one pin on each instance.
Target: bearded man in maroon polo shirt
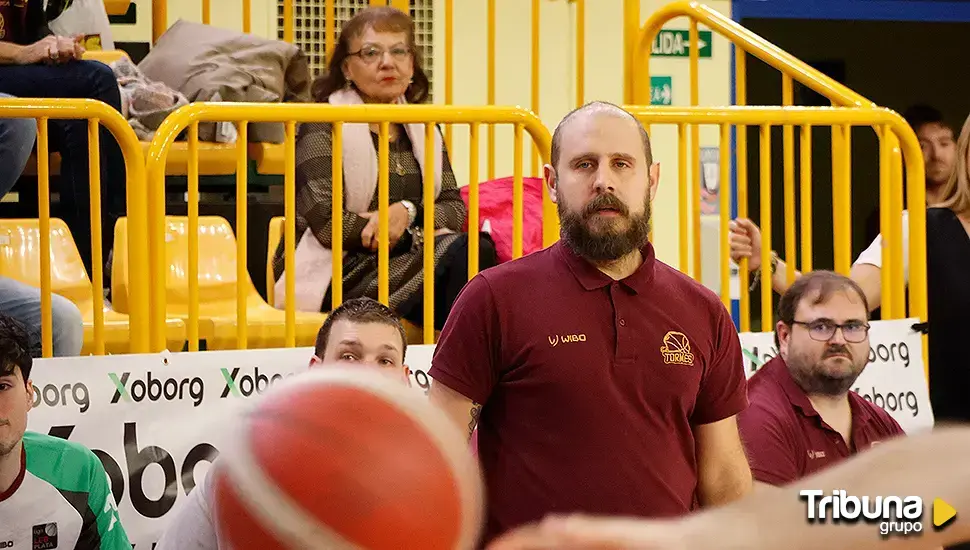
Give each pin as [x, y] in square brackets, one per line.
[803, 417]
[601, 380]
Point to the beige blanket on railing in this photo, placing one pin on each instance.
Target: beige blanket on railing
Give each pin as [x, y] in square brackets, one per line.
[205, 62]
[146, 102]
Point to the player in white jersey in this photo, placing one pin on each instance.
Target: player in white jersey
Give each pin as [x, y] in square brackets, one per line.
[361, 331]
[53, 493]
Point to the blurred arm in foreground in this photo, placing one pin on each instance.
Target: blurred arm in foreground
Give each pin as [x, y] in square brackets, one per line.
[929, 465]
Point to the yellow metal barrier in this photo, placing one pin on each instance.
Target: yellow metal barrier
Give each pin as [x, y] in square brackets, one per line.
[97, 114]
[793, 70]
[188, 118]
[888, 125]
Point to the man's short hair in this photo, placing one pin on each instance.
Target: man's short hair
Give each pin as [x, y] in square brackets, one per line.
[14, 348]
[920, 115]
[597, 106]
[826, 283]
[360, 310]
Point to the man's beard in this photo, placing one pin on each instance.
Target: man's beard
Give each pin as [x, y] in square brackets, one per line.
[815, 380]
[609, 243]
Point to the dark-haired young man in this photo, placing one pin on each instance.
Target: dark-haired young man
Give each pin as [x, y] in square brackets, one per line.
[53, 493]
[360, 331]
[802, 415]
[937, 141]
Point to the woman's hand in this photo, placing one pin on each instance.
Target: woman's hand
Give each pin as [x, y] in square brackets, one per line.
[746, 242]
[397, 224]
[53, 50]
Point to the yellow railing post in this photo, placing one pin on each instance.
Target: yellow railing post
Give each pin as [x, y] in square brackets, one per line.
[580, 52]
[631, 25]
[535, 77]
[788, 139]
[289, 36]
[44, 210]
[159, 19]
[741, 131]
[765, 207]
[490, 91]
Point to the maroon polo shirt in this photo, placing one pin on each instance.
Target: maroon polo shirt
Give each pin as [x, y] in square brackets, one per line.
[13, 20]
[590, 386]
[785, 437]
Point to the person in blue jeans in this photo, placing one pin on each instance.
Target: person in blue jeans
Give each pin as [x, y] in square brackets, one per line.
[18, 300]
[36, 63]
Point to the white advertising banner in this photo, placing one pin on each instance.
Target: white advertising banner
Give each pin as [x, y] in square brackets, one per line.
[157, 421]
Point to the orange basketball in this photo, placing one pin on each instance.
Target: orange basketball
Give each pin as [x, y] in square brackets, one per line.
[346, 458]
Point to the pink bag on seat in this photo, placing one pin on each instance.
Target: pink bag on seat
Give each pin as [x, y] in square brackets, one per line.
[495, 214]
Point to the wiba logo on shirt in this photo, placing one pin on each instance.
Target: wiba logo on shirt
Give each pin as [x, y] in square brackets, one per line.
[170, 389]
[44, 536]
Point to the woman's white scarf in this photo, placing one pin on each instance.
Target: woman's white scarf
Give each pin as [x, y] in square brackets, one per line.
[314, 262]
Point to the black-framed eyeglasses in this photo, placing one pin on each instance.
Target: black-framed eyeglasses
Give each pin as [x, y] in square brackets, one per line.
[823, 331]
[370, 54]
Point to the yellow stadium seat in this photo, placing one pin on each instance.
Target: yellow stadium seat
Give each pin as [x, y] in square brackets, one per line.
[269, 157]
[20, 260]
[105, 56]
[217, 289]
[414, 332]
[215, 159]
[54, 166]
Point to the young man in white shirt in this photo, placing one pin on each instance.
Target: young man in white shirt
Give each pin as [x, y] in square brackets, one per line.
[361, 331]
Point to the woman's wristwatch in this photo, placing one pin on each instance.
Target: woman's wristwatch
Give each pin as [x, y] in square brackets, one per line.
[412, 211]
[773, 265]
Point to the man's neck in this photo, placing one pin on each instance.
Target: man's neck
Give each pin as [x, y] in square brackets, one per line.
[934, 193]
[10, 467]
[621, 268]
[836, 412]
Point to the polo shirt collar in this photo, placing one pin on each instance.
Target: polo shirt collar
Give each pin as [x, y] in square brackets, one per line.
[778, 370]
[592, 278]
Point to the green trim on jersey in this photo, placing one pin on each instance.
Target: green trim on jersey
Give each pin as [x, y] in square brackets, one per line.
[80, 477]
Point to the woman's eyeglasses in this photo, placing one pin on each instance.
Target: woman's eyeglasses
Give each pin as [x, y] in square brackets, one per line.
[371, 54]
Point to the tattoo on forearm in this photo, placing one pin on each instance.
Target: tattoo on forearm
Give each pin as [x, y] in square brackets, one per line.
[473, 421]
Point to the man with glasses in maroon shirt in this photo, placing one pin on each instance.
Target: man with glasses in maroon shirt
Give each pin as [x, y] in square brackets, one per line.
[803, 417]
[601, 380]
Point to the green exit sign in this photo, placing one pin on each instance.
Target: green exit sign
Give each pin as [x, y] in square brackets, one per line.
[676, 43]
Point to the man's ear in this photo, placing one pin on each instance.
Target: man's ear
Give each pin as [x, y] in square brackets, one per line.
[314, 361]
[654, 174]
[407, 375]
[783, 331]
[552, 181]
[30, 394]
